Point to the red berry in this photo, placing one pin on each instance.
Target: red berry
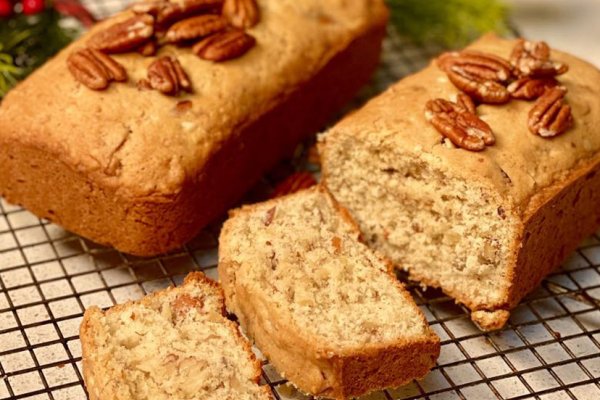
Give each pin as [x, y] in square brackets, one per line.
[6, 8]
[31, 7]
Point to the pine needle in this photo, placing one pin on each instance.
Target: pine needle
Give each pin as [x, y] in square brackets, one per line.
[450, 23]
[26, 42]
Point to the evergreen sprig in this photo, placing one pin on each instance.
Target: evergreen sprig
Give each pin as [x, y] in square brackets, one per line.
[26, 42]
[450, 23]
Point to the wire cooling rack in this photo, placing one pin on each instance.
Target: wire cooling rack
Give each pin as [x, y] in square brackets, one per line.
[550, 349]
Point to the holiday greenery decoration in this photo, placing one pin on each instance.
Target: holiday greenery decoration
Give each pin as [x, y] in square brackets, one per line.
[450, 23]
[30, 33]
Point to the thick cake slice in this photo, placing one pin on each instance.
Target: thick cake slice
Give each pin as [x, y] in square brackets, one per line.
[319, 304]
[173, 344]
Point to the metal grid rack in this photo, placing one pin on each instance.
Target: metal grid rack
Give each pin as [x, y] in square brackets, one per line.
[549, 350]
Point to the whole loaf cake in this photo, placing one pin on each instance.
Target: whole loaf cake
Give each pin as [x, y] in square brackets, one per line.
[479, 174]
[160, 118]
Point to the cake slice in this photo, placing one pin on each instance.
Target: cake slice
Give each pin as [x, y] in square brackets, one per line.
[173, 344]
[323, 308]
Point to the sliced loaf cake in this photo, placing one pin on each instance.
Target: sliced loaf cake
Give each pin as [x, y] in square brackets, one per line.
[173, 344]
[486, 227]
[319, 304]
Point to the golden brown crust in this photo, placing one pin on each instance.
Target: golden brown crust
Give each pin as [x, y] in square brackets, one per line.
[568, 213]
[116, 189]
[389, 366]
[87, 344]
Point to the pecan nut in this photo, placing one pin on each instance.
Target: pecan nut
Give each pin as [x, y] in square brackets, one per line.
[151, 7]
[180, 9]
[533, 59]
[481, 89]
[183, 107]
[480, 75]
[183, 304]
[195, 27]
[224, 45]
[124, 36]
[294, 183]
[484, 65]
[242, 14]
[462, 127]
[270, 214]
[167, 76]
[466, 103]
[550, 116]
[527, 88]
[95, 69]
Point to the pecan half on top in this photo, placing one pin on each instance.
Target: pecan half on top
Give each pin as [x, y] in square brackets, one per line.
[456, 122]
[527, 88]
[167, 76]
[195, 27]
[241, 14]
[224, 45]
[480, 75]
[95, 69]
[550, 116]
[124, 36]
[151, 7]
[488, 66]
[167, 12]
[533, 59]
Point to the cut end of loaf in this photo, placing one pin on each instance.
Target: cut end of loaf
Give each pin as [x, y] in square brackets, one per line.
[490, 320]
[175, 343]
[447, 231]
[298, 278]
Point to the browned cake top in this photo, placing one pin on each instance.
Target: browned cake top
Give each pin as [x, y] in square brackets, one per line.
[519, 164]
[140, 141]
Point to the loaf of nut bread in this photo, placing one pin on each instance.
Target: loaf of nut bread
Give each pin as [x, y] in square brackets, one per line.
[172, 344]
[143, 165]
[323, 308]
[485, 226]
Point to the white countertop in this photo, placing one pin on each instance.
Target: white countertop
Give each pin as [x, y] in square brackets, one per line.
[570, 25]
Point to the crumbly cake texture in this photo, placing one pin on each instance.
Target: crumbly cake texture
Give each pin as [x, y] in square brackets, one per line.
[323, 307]
[485, 227]
[173, 344]
[128, 168]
